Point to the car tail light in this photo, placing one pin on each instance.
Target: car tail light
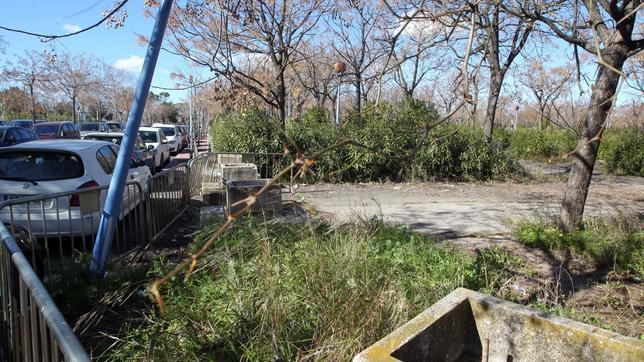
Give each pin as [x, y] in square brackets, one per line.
[75, 199]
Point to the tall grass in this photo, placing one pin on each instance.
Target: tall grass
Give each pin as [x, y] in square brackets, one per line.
[280, 292]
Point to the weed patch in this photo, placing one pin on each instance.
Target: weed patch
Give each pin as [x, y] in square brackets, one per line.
[275, 291]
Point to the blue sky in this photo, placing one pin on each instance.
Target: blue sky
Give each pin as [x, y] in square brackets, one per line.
[118, 47]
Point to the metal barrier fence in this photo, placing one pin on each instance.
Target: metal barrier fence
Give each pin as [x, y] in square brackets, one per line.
[56, 231]
[33, 328]
[168, 196]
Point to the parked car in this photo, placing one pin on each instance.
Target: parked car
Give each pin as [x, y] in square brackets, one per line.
[141, 152]
[53, 166]
[53, 130]
[171, 133]
[3, 123]
[116, 126]
[185, 137]
[155, 140]
[10, 136]
[86, 128]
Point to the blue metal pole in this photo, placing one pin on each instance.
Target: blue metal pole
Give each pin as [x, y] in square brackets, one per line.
[109, 217]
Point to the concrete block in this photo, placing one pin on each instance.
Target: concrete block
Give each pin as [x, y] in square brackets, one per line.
[470, 326]
[229, 158]
[238, 171]
[270, 201]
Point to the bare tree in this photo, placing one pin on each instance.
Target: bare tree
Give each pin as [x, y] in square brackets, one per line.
[28, 71]
[71, 75]
[356, 29]
[222, 36]
[607, 30]
[546, 85]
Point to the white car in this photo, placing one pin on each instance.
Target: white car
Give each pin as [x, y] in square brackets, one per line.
[59, 166]
[155, 140]
[171, 132]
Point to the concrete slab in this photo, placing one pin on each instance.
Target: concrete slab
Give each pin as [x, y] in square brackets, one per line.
[470, 326]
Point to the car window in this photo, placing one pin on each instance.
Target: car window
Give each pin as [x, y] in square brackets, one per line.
[89, 127]
[139, 144]
[25, 134]
[106, 158]
[25, 165]
[47, 130]
[149, 136]
[11, 133]
[162, 137]
[168, 131]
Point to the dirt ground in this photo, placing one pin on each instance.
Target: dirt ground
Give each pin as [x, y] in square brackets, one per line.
[474, 216]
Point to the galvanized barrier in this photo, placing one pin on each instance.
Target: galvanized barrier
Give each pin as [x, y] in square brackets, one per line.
[168, 196]
[56, 231]
[33, 329]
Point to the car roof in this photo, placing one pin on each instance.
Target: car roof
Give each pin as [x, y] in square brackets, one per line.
[51, 123]
[60, 144]
[105, 134]
[163, 125]
[154, 129]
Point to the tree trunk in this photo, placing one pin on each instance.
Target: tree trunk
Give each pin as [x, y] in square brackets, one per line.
[74, 108]
[358, 85]
[33, 102]
[496, 81]
[585, 154]
[542, 119]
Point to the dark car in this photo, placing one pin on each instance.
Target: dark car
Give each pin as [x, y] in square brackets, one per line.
[141, 154]
[10, 136]
[54, 130]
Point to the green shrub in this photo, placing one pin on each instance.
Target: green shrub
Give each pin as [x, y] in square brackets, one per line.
[623, 151]
[616, 243]
[252, 130]
[313, 133]
[279, 292]
[532, 143]
[463, 155]
[389, 133]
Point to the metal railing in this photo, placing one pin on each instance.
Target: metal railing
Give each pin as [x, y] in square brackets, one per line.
[56, 231]
[167, 198]
[33, 329]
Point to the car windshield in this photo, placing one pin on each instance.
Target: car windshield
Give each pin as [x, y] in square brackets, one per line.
[114, 139]
[89, 127]
[46, 130]
[39, 165]
[24, 124]
[168, 131]
[149, 136]
[114, 126]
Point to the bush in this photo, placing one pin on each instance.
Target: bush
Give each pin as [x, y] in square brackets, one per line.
[616, 243]
[390, 130]
[279, 292]
[623, 151]
[463, 155]
[252, 130]
[315, 132]
[535, 144]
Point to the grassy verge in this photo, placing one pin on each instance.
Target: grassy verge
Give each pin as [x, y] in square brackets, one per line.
[281, 292]
[616, 243]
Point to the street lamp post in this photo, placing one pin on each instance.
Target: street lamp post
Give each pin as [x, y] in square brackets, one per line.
[339, 68]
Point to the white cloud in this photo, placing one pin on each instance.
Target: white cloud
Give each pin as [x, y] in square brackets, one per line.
[131, 64]
[72, 28]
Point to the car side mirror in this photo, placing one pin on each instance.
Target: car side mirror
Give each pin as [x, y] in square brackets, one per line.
[150, 147]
